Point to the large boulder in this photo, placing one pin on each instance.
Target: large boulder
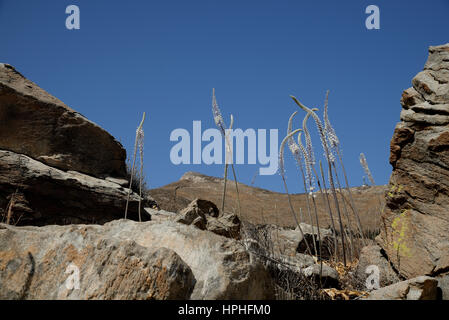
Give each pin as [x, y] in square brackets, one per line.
[415, 223]
[105, 269]
[123, 259]
[37, 194]
[34, 123]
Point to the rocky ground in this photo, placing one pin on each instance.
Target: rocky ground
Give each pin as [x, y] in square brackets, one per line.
[63, 192]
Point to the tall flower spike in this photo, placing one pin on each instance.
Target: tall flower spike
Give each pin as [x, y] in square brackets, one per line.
[328, 157]
[309, 147]
[294, 148]
[308, 172]
[318, 124]
[330, 132]
[218, 118]
[364, 164]
[281, 151]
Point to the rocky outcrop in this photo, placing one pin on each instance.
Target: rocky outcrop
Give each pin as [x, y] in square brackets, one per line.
[45, 195]
[124, 259]
[36, 124]
[57, 167]
[205, 215]
[415, 223]
[420, 288]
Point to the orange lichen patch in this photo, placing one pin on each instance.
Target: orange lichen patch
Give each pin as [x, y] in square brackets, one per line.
[161, 284]
[71, 254]
[5, 258]
[335, 294]
[341, 268]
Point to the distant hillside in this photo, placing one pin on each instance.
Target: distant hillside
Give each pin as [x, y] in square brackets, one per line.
[264, 206]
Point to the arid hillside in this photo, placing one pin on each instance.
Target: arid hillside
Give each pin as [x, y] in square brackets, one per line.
[263, 206]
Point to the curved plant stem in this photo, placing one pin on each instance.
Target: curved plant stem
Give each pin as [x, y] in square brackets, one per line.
[282, 173]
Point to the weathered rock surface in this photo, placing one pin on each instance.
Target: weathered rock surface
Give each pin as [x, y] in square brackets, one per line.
[108, 269]
[125, 260]
[227, 225]
[415, 223]
[372, 255]
[420, 288]
[46, 195]
[34, 123]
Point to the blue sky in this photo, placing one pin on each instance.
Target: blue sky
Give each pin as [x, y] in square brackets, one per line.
[164, 57]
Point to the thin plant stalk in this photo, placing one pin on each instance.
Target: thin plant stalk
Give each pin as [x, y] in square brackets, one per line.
[359, 231]
[351, 199]
[335, 146]
[295, 150]
[345, 211]
[218, 118]
[236, 189]
[326, 200]
[139, 128]
[224, 188]
[282, 173]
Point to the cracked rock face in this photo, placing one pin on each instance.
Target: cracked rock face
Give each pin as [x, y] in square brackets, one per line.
[34, 123]
[415, 223]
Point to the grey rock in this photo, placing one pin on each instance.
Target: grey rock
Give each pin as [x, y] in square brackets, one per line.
[433, 87]
[411, 115]
[227, 225]
[419, 288]
[372, 255]
[438, 58]
[327, 276]
[311, 236]
[120, 182]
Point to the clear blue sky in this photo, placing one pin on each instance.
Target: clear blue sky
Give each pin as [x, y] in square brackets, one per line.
[164, 57]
